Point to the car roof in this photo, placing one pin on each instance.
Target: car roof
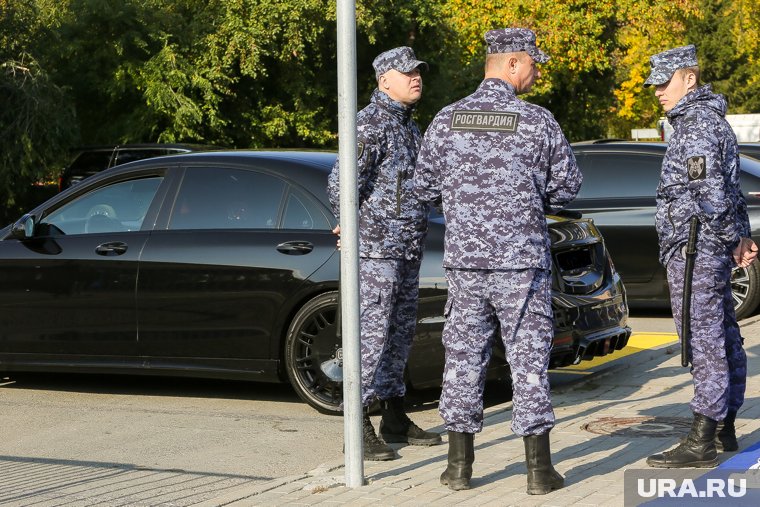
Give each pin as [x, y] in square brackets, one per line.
[320, 159]
[749, 164]
[619, 142]
[659, 144]
[658, 147]
[145, 146]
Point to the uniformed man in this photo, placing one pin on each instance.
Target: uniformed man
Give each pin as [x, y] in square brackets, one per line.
[392, 230]
[700, 178]
[498, 164]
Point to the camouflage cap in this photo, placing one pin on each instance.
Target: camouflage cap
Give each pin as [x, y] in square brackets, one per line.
[515, 40]
[666, 63]
[402, 59]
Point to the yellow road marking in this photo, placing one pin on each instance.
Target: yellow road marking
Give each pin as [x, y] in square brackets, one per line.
[636, 343]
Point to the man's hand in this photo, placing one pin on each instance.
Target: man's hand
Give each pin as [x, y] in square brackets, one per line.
[745, 252]
[336, 231]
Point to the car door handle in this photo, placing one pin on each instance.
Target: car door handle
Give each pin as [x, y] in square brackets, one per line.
[109, 249]
[295, 247]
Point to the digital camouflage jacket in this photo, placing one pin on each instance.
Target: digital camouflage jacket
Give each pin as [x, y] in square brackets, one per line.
[700, 177]
[392, 222]
[499, 164]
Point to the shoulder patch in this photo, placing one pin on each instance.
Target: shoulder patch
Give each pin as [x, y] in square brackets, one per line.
[492, 121]
[696, 167]
[359, 149]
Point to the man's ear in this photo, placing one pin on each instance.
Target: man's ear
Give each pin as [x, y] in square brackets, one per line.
[691, 80]
[512, 62]
[382, 82]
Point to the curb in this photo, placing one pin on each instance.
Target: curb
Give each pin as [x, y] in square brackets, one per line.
[244, 492]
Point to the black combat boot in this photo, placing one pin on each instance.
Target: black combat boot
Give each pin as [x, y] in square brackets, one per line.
[542, 478]
[397, 428]
[697, 451]
[725, 439]
[374, 448]
[461, 456]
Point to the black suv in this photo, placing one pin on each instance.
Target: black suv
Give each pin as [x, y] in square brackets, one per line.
[89, 160]
[619, 184]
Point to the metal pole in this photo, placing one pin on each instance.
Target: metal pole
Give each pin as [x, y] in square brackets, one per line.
[349, 244]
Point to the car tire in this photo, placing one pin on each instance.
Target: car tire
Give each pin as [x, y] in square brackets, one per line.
[745, 287]
[314, 355]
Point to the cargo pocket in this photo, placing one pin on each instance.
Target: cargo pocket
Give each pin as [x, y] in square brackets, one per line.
[370, 301]
[539, 300]
[447, 308]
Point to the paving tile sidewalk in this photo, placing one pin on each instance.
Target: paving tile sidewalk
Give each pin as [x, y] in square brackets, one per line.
[653, 384]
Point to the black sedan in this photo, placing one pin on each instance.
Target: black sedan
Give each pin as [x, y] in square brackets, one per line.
[619, 184]
[750, 149]
[223, 265]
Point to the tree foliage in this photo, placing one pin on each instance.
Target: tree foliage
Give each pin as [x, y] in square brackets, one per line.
[726, 33]
[37, 123]
[262, 73]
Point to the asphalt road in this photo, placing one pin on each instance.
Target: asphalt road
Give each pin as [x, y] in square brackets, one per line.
[66, 438]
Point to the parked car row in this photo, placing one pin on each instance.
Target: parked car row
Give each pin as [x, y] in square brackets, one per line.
[619, 184]
[223, 264]
[89, 160]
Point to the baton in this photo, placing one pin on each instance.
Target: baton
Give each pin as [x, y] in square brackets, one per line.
[691, 250]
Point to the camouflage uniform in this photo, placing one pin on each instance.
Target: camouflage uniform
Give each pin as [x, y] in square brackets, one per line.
[392, 230]
[700, 177]
[498, 164]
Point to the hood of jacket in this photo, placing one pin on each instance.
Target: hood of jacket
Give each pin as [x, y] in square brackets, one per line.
[396, 109]
[702, 97]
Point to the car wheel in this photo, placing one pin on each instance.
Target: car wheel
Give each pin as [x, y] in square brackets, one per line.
[745, 287]
[314, 354]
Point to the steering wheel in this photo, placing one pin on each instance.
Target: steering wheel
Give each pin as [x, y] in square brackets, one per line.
[100, 218]
[102, 209]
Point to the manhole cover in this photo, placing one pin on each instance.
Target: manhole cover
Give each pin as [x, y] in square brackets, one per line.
[660, 427]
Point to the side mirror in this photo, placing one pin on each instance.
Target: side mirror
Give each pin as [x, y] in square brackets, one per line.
[23, 228]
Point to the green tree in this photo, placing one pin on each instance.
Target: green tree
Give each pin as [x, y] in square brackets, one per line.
[726, 36]
[599, 49]
[244, 73]
[260, 73]
[37, 123]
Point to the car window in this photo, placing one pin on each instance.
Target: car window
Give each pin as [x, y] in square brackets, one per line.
[86, 164]
[750, 165]
[118, 207]
[224, 198]
[301, 212]
[124, 155]
[619, 175]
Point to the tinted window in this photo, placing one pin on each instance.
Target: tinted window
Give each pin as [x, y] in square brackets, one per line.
[130, 155]
[117, 207]
[751, 150]
[750, 165]
[619, 174]
[221, 198]
[301, 212]
[86, 164]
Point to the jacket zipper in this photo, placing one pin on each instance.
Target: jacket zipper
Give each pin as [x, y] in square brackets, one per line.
[398, 194]
[670, 215]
